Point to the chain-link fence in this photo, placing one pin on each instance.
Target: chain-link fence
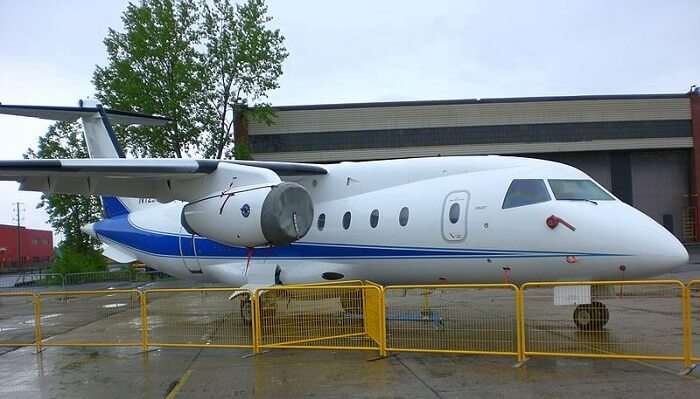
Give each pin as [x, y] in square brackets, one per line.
[33, 280]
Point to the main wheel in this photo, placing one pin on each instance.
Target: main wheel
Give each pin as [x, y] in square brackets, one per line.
[593, 316]
[269, 310]
[351, 301]
[246, 309]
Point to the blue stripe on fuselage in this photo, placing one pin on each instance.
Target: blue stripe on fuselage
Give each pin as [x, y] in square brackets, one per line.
[120, 230]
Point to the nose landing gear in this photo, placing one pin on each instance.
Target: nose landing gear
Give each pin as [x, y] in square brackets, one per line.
[593, 316]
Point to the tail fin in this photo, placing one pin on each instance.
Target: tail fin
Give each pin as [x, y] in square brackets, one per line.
[113, 206]
[99, 137]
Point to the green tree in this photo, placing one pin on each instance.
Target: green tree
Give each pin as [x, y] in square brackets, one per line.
[154, 67]
[73, 260]
[201, 64]
[243, 60]
[67, 213]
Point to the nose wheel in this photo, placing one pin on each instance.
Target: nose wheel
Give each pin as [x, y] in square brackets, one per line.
[593, 316]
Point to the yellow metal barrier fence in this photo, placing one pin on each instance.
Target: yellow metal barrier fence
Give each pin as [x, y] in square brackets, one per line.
[693, 294]
[613, 319]
[468, 319]
[198, 318]
[90, 318]
[655, 319]
[320, 317]
[374, 308]
[18, 319]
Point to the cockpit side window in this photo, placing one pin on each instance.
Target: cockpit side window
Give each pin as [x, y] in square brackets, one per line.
[525, 192]
[578, 190]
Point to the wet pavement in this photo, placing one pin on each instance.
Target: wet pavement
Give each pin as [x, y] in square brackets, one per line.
[216, 373]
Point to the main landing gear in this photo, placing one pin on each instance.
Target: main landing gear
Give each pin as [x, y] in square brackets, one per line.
[592, 316]
[246, 309]
[268, 311]
[351, 302]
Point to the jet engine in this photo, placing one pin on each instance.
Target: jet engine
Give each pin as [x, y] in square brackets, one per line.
[253, 216]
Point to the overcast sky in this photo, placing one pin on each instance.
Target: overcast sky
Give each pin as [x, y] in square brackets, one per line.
[350, 51]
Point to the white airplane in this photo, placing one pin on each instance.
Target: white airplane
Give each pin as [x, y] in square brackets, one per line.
[468, 219]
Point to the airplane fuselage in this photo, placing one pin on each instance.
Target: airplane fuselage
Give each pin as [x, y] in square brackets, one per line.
[416, 221]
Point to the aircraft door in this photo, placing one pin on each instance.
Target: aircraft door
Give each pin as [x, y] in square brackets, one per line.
[454, 216]
[188, 251]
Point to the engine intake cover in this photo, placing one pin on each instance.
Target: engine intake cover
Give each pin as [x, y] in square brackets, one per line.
[277, 215]
[287, 213]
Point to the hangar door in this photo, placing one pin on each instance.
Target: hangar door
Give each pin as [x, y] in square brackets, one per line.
[454, 216]
[660, 186]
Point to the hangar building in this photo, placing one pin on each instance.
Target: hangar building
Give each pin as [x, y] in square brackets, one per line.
[638, 146]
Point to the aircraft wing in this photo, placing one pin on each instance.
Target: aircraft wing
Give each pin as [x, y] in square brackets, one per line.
[163, 179]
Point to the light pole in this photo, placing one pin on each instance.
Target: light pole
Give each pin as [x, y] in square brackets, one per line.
[17, 216]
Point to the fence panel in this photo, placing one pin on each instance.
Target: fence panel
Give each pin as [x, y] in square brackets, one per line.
[17, 319]
[90, 318]
[198, 317]
[468, 319]
[615, 319]
[29, 281]
[98, 277]
[694, 319]
[320, 317]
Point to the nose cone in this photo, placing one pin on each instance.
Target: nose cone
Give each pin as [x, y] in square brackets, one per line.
[654, 246]
[671, 252]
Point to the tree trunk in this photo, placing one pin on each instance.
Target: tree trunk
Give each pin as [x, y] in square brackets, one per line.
[240, 130]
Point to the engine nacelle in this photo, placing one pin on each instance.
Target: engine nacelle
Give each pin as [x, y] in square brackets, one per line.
[276, 215]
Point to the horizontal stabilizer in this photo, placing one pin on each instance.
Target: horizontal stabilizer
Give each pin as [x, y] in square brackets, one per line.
[74, 113]
[118, 255]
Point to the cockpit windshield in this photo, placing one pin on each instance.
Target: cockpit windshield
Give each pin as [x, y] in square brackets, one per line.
[578, 190]
[525, 192]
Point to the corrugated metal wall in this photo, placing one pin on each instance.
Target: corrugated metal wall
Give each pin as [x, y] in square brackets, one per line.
[410, 117]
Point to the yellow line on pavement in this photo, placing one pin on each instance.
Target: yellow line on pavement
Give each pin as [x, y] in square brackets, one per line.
[179, 385]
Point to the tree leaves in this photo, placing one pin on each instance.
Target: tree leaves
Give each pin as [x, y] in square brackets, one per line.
[155, 68]
[244, 58]
[199, 63]
[206, 65]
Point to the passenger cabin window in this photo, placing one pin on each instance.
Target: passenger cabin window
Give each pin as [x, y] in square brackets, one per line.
[578, 190]
[346, 220]
[525, 192]
[454, 213]
[403, 216]
[321, 221]
[374, 218]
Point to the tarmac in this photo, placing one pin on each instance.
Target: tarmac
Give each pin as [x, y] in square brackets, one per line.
[128, 372]
[218, 373]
